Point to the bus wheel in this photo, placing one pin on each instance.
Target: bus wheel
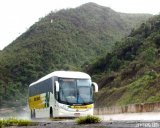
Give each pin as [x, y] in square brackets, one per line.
[51, 112]
[33, 114]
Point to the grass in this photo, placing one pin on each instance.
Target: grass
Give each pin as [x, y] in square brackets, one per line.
[16, 122]
[139, 91]
[88, 120]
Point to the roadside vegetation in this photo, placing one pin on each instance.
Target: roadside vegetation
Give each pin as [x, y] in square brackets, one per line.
[130, 74]
[16, 122]
[88, 120]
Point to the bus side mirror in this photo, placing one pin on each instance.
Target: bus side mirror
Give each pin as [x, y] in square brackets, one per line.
[57, 86]
[95, 86]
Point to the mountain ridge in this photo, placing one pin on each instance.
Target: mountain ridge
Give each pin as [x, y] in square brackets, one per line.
[130, 74]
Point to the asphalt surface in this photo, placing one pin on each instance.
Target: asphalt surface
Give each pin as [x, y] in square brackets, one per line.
[128, 120]
[109, 124]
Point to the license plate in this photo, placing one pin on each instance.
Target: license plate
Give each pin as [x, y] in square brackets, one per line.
[77, 114]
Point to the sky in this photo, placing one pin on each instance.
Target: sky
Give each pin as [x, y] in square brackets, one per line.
[16, 16]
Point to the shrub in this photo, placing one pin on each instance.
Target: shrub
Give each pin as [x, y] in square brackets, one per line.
[88, 120]
[16, 122]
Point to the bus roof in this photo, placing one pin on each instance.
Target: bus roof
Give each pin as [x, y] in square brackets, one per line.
[64, 74]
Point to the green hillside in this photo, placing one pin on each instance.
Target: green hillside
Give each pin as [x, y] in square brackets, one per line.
[131, 72]
[64, 40]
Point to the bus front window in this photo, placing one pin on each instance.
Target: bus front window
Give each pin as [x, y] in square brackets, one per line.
[68, 91]
[75, 91]
[84, 91]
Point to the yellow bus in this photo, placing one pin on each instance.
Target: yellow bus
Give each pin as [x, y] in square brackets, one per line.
[62, 94]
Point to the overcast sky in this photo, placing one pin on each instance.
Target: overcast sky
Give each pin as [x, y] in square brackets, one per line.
[16, 16]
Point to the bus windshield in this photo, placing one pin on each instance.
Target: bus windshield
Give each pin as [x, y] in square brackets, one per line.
[75, 91]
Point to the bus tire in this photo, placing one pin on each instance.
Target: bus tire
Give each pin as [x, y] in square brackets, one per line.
[51, 112]
[33, 113]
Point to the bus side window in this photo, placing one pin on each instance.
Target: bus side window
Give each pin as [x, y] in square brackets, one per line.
[56, 93]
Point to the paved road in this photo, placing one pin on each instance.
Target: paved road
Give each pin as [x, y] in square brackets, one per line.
[130, 120]
[134, 120]
[104, 124]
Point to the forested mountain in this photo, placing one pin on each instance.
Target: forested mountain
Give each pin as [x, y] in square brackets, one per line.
[131, 72]
[68, 40]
